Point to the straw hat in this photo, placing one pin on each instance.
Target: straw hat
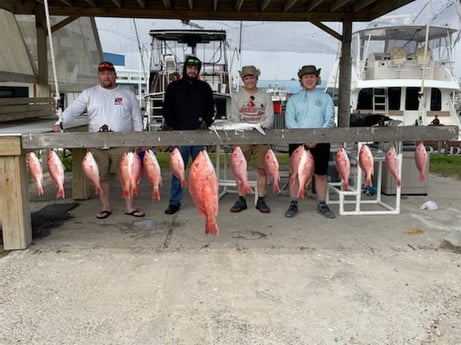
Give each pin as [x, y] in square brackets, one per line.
[308, 69]
[249, 70]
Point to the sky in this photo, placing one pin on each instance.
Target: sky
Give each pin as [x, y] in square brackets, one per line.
[278, 49]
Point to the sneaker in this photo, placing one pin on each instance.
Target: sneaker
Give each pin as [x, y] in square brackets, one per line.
[325, 211]
[262, 206]
[239, 205]
[292, 210]
[172, 209]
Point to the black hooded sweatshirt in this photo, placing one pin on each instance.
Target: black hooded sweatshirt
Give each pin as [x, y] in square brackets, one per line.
[188, 102]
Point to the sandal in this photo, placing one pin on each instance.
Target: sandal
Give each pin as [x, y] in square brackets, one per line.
[103, 214]
[135, 213]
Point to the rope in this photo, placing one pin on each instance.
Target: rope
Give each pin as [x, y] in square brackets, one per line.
[53, 62]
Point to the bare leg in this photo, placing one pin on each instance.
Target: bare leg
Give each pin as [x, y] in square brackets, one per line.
[321, 186]
[261, 182]
[105, 195]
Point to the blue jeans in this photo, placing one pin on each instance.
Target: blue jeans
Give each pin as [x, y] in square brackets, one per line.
[176, 190]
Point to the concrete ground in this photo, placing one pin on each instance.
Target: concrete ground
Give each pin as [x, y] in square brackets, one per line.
[266, 279]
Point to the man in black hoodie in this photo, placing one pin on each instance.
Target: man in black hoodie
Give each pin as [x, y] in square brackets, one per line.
[188, 105]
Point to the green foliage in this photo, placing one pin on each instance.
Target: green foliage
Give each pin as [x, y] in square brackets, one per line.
[445, 165]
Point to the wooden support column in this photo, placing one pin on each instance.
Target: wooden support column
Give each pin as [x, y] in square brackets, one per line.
[345, 70]
[79, 182]
[14, 199]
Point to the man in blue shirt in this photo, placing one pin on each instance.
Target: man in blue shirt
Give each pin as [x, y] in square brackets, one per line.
[311, 108]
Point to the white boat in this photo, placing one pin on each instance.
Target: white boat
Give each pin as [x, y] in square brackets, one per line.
[403, 72]
[169, 50]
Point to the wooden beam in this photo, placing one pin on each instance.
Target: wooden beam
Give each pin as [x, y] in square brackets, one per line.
[208, 137]
[339, 4]
[91, 3]
[117, 3]
[289, 4]
[191, 4]
[63, 23]
[264, 5]
[166, 4]
[238, 5]
[314, 4]
[327, 29]
[67, 2]
[360, 5]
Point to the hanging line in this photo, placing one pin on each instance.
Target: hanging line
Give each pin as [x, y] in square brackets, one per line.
[53, 63]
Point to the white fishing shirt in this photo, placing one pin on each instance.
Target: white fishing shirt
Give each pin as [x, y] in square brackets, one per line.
[117, 108]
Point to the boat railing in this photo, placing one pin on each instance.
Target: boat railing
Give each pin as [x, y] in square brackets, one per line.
[408, 69]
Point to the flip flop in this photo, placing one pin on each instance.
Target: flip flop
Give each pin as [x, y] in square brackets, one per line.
[103, 214]
[135, 213]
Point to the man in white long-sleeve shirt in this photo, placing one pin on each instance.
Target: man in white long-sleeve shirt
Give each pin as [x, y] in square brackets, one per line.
[109, 108]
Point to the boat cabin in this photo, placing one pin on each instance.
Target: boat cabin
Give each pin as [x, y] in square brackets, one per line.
[169, 50]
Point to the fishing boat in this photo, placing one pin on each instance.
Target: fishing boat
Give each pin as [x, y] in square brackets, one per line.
[169, 50]
[404, 73]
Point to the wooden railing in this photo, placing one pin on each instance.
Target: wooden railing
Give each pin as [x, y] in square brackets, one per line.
[13, 109]
[14, 201]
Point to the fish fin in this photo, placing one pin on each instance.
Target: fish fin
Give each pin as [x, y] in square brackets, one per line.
[211, 227]
[247, 189]
[155, 194]
[260, 129]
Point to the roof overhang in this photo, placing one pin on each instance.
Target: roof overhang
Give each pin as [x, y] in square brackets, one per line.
[263, 10]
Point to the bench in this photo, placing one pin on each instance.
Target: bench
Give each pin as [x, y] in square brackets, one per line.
[14, 109]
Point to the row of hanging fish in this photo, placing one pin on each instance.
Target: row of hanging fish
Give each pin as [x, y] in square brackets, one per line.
[55, 167]
[366, 164]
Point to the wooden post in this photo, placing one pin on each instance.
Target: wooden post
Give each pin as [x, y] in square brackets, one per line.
[14, 205]
[79, 183]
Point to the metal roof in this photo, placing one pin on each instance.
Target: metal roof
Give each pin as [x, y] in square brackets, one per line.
[262, 10]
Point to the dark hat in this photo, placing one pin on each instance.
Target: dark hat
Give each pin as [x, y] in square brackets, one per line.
[192, 61]
[249, 70]
[308, 69]
[106, 66]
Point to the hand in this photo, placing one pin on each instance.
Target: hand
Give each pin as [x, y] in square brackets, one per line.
[56, 128]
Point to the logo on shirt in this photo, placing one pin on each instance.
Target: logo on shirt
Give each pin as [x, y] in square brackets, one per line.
[318, 102]
[118, 101]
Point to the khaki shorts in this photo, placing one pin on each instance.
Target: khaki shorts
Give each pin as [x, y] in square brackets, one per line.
[108, 160]
[257, 152]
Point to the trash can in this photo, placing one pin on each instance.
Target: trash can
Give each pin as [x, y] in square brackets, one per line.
[411, 185]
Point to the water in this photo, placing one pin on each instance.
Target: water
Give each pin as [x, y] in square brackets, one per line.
[292, 86]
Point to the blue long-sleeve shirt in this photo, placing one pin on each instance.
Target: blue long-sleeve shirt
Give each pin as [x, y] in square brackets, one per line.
[310, 109]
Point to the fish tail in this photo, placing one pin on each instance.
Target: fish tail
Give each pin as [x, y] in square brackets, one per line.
[183, 183]
[211, 227]
[98, 190]
[126, 194]
[368, 181]
[422, 177]
[345, 185]
[60, 193]
[301, 192]
[398, 182]
[247, 189]
[40, 191]
[155, 194]
[275, 188]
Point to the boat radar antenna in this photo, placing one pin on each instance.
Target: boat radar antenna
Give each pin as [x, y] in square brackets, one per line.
[53, 62]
